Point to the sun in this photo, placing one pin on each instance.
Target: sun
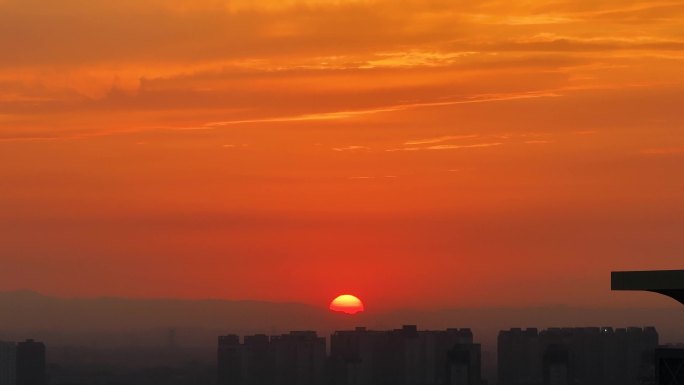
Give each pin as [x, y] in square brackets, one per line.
[346, 303]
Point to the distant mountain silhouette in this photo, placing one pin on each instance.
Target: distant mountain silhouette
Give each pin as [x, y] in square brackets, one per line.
[27, 309]
[146, 322]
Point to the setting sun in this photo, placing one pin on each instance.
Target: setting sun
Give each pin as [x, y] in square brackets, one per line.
[347, 303]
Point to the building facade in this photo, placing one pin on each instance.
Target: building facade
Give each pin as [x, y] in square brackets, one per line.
[30, 363]
[296, 358]
[587, 356]
[8, 362]
[404, 356]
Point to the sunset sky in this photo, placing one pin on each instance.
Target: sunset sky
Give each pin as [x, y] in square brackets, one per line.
[417, 153]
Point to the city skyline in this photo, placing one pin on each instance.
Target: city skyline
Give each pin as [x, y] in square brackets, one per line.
[413, 356]
[361, 356]
[341, 192]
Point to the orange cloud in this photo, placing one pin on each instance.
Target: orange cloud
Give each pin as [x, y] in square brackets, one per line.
[184, 138]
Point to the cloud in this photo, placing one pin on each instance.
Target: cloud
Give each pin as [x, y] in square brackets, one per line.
[176, 123]
[446, 147]
[416, 58]
[260, 62]
[520, 19]
[437, 143]
[351, 148]
[374, 177]
[336, 115]
[439, 139]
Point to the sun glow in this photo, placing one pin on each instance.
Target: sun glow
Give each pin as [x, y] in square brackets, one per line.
[347, 303]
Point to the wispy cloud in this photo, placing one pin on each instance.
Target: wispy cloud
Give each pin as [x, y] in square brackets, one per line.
[446, 147]
[352, 148]
[439, 139]
[520, 20]
[374, 177]
[337, 115]
[416, 58]
[310, 117]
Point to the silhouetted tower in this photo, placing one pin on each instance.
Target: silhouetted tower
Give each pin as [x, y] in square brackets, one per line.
[520, 357]
[354, 356]
[596, 355]
[556, 365]
[8, 363]
[30, 358]
[404, 356]
[258, 361]
[299, 358]
[229, 360]
[463, 365]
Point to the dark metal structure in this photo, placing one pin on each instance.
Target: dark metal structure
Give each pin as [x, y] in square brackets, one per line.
[665, 282]
[669, 362]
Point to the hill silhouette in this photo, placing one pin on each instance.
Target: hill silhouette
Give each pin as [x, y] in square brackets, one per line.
[147, 322]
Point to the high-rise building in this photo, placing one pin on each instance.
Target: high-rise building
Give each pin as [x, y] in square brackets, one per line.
[463, 365]
[30, 363]
[258, 360]
[556, 365]
[404, 356]
[594, 356]
[299, 358]
[229, 363]
[8, 362]
[296, 358]
[520, 357]
[354, 357]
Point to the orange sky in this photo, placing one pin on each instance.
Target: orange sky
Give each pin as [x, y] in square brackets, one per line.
[422, 153]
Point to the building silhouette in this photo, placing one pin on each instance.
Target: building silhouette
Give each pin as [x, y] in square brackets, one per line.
[229, 363]
[404, 356]
[8, 362]
[259, 360]
[666, 282]
[669, 366]
[30, 363]
[556, 365]
[668, 361]
[463, 365]
[299, 358]
[296, 358]
[588, 356]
